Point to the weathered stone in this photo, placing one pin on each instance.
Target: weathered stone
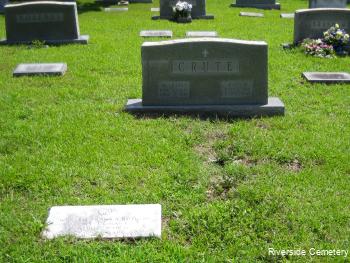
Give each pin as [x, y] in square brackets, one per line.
[156, 33]
[201, 34]
[288, 16]
[327, 3]
[261, 4]
[40, 69]
[251, 14]
[311, 23]
[116, 9]
[212, 75]
[198, 9]
[104, 221]
[327, 77]
[155, 9]
[50, 22]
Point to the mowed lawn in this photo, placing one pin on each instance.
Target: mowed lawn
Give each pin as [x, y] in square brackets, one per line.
[229, 189]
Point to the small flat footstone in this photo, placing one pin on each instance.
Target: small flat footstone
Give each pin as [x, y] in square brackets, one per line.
[123, 3]
[104, 221]
[116, 9]
[251, 14]
[55, 69]
[290, 16]
[155, 9]
[327, 77]
[201, 34]
[156, 33]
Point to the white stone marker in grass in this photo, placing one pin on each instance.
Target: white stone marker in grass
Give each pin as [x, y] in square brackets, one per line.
[116, 9]
[52, 69]
[156, 33]
[251, 14]
[104, 221]
[201, 34]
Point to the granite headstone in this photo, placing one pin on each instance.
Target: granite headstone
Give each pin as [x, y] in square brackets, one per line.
[50, 22]
[156, 33]
[51, 69]
[327, 3]
[2, 5]
[327, 77]
[261, 4]
[311, 23]
[205, 75]
[104, 221]
[198, 9]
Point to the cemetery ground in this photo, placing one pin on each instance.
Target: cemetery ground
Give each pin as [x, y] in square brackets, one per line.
[229, 189]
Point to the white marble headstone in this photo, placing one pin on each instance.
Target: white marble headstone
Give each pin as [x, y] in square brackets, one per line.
[156, 33]
[251, 14]
[104, 221]
[201, 34]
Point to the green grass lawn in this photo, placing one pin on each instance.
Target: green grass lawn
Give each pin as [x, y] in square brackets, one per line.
[229, 189]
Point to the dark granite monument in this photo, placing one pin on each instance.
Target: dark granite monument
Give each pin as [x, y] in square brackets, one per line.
[311, 23]
[261, 4]
[198, 9]
[206, 76]
[50, 22]
[2, 5]
[327, 3]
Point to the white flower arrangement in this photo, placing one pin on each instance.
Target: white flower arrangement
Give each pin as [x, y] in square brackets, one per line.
[182, 9]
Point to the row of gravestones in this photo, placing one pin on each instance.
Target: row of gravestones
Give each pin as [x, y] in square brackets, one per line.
[217, 78]
[199, 10]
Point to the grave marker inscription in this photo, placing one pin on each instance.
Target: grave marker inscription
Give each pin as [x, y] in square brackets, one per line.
[105, 221]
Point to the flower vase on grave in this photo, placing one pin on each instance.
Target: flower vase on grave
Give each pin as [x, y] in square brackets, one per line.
[182, 12]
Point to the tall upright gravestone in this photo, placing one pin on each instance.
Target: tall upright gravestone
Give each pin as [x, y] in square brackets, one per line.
[311, 23]
[327, 3]
[50, 22]
[205, 76]
[262, 4]
[198, 9]
[2, 5]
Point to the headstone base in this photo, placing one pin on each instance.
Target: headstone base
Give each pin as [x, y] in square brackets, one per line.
[171, 18]
[259, 6]
[84, 39]
[274, 107]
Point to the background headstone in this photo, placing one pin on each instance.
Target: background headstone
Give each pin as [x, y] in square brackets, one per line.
[156, 33]
[105, 221]
[116, 9]
[2, 5]
[251, 14]
[51, 22]
[55, 69]
[198, 9]
[327, 77]
[311, 23]
[290, 16]
[327, 3]
[209, 74]
[201, 34]
[262, 4]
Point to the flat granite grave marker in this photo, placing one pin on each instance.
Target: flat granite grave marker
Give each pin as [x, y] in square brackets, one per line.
[327, 77]
[50, 22]
[251, 14]
[261, 4]
[198, 9]
[288, 16]
[156, 33]
[201, 34]
[116, 9]
[311, 23]
[327, 3]
[210, 76]
[155, 9]
[104, 221]
[55, 69]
